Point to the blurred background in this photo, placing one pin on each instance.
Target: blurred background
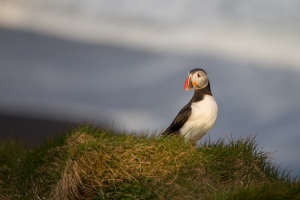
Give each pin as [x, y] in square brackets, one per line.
[122, 64]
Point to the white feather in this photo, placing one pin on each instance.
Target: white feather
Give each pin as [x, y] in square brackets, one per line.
[203, 116]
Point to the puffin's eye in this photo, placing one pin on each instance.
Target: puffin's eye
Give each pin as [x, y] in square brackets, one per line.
[198, 75]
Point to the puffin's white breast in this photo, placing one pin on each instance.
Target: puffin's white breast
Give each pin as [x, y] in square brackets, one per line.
[203, 116]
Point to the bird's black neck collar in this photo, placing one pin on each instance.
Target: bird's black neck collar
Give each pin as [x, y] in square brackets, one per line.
[199, 94]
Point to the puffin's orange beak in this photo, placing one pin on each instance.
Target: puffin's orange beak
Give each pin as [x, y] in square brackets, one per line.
[186, 84]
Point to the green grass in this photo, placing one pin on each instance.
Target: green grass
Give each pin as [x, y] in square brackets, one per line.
[11, 153]
[94, 163]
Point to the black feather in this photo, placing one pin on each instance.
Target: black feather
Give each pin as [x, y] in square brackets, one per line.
[179, 120]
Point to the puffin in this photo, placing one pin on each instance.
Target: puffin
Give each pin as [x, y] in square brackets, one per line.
[197, 117]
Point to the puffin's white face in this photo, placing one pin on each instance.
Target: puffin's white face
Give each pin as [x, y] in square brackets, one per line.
[197, 79]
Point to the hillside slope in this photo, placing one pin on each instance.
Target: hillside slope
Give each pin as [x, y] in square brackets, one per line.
[93, 163]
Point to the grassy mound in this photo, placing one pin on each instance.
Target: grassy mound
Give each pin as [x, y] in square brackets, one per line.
[90, 163]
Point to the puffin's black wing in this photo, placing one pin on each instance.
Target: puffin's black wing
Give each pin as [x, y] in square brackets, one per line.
[179, 121]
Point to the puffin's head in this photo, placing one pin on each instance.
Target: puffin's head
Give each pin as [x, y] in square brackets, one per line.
[197, 79]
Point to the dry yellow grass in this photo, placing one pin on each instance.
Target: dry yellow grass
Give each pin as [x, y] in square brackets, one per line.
[91, 163]
[107, 163]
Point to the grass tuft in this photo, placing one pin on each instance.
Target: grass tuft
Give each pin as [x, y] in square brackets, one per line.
[95, 163]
